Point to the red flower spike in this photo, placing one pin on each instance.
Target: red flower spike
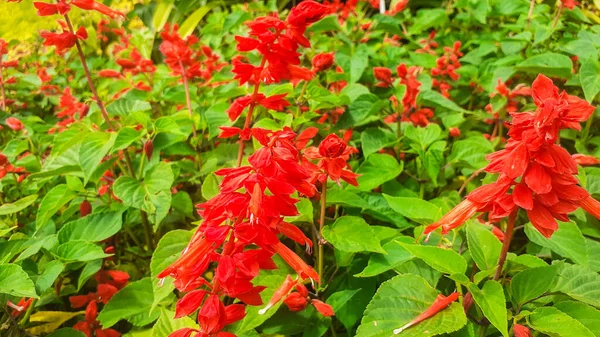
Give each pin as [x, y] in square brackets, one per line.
[189, 303]
[441, 303]
[521, 331]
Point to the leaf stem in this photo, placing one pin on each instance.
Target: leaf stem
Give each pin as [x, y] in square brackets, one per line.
[560, 8]
[3, 101]
[530, 14]
[321, 225]
[188, 100]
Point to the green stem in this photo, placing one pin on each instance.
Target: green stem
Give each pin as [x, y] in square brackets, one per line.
[510, 226]
[321, 225]
[25, 318]
[3, 101]
[483, 330]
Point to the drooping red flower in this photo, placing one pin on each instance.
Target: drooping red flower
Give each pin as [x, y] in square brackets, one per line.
[585, 160]
[440, 303]
[20, 307]
[63, 7]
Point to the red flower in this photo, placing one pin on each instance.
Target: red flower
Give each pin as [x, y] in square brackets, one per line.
[398, 7]
[547, 189]
[441, 303]
[85, 208]
[91, 327]
[63, 7]
[521, 331]
[332, 146]
[20, 307]
[322, 62]
[109, 73]
[585, 160]
[14, 123]
[332, 155]
[296, 302]
[454, 132]
[570, 4]
[323, 308]
[384, 76]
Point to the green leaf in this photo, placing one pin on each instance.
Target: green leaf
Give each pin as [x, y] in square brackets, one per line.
[471, 152]
[188, 26]
[428, 18]
[339, 299]
[423, 136]
[56, 198]
[380, 263]
[17, 206]
[66, 332]
[161, 14]
[400, 300]
[79, 251]
[532, 283]
[585, 314]
[376, 170]
[483, 245]
[493, 304]
[434, 99]
[375, 139]
[567, 241]
[166, 324]
[444, 260]
[125, 137]
[578, 283]
[359, 62]
[94, 227]
[353, 235]
[589, 76]
[93, 149]
[549, 64]
[124, 107]
[90, 269]
[555, 322]
[169, 249]
[131, 303]
[418, 210]
[51, 272]
[15, 282]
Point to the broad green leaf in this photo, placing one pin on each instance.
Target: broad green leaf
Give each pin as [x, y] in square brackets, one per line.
[418, 210]
[51, 272]
[471, 152]
[125, 137]
[434, 99]
[17, 206]
[58, 196]
[552, 321]
[444, 260]
[376, 170]
[428, 18]
[93, 149]
[423, 136]
[400, 300]
[567, 241]
[549, 64]
[483, 246]
[190, 23]
[169, 249]
[94, 227]
[353, 235]
[124, 107]
[15, 282]
[589, 76]
[359, 63]
[532, 283]
[166, 324]
[579, 283]
[493, 304]
[79, 251]
[375, 139]
[585, 314]
[339, 299]
[131, 303]
[210, 187]
[380, 263]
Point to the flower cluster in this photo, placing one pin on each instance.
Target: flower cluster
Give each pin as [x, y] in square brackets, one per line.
[445, 70]
[70, 111]
[535, 172]
[184, 59]
[11, 80]
[6, 167]
[297, 300]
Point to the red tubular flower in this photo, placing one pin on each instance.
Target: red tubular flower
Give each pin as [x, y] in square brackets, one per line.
[304, 271]
[109, 73]
[296, 302]
[323, 308]
[20, 307]
[280, 293]
[384, 76]
[521, 331]
[85, 208]
[91, 327]
[585, 160]
[441, 303]
[14, 123]
[570, 4]
[322, 62]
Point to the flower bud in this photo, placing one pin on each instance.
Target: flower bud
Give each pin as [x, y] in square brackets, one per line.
[322, 62]
[85, 208]
[149, 148]
[332, 146]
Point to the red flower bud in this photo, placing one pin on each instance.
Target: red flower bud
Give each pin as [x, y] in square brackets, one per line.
[454, 132]
[322, 62]
[323, 308]
[521, 331]
[295, 302]
[332, 146]
[85, 208]
[109, 73]
[14, 123]
[149, 148]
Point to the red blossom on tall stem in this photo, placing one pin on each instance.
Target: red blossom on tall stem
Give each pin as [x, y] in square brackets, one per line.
[445, 70]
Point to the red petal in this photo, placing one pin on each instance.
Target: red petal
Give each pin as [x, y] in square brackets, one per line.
[185, 332]
[516, 162]
[538, 179]
[523, 196]
[323, 308]
[543, 88]
[189, 303]
[542, 220]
